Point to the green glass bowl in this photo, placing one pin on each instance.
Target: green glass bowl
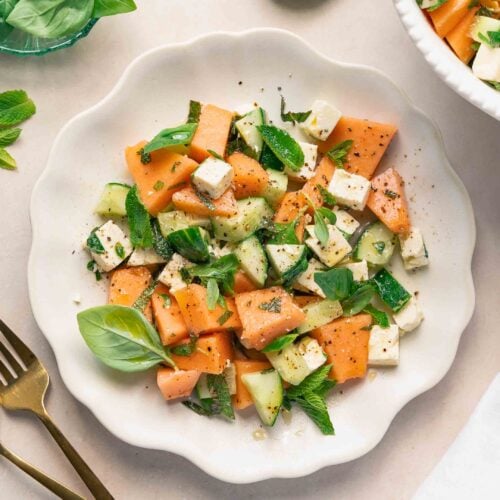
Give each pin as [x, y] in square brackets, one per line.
[19, 43]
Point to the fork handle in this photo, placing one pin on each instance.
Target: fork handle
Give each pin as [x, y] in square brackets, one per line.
[93, 483]
[51, 484]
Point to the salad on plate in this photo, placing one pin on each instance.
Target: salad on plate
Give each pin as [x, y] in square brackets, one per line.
[248, 262]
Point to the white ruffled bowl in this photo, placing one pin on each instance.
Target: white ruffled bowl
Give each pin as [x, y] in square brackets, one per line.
[453, 71]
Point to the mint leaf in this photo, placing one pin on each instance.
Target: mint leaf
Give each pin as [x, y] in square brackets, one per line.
[283, 145]
[143, 300]
[291, 116]
[194, 112]
[284, 233]
[221, 402]
[280, 342]
[310, 384]
[315, 407]
[379, 317]
[6, 7]
[15, 107]
[9, 136]
[94, 243]
[212, 294]
[436, 5]
[328, 198]
[141, 234]
[339, 152]
[6, 161]
[274, 305]
[336, 283]
[361, 297]
[172, 137]
[160, 244]
[112, 7]
[185, 349]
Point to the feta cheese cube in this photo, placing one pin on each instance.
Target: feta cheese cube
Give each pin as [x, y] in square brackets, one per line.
[346, 222]
[171, 274]
[486, 64]
[116, 246]
[351, 190]
[311, 353]
[409, 317]
[305, 281]
[213, 177]
[383, 347]
[322, 120]
[359, 270]
[144, 257]
[413, 251]
[309, 165]
[336, 248]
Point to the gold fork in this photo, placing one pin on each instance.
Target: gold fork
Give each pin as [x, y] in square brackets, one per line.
[26, 391]
[51, 484]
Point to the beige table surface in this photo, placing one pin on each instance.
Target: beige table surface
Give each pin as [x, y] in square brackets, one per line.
[68, 82]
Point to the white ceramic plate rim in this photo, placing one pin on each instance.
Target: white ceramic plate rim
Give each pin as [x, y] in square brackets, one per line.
[314, 463]
[450, 69]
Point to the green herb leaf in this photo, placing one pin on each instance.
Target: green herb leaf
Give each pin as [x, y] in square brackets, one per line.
[222, 398]
[143, 300]
[221, 270]
[320, 228]
[167, 301]
[327, 214]
[91, 265]
[315, 407]
[328, 198]
[120, 251]
[186, 348]
[215, 154]
[379, 317]
[325, 387]
[194, 112]
[339, 152]
[112, 7]
[51, 18]
[122, 338]
[284, 234]
[200, 410]
[158, 185]
[94, 243]
[9, 136]
[98, 275]
[495, 85]
[269, 160]
[280, 342]
[224, 316]
[141, 234]
[358, 301]
[436, 5]
[172, 137]
[15, 107]
[6, 161]
[311, 383]
[283, 145]
[274, 305]
[336, 283]
[475, 46]
[379, 246]
[6, 7]
[145, 157]
[160, 244]
[212, 294]
[291, 116]
[205, 199]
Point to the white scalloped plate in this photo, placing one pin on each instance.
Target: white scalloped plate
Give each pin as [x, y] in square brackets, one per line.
[445, 63]
[153, 93]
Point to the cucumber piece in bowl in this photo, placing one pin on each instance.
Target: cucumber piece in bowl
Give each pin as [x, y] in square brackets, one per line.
[191, 243]
[376, 245]
[112, 202]
[253, 260]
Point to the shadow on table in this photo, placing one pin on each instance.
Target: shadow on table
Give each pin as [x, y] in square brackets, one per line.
[301, 4]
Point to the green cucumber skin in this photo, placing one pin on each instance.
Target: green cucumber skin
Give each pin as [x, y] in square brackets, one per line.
[247, 249]
[190, 243]
[390, 290]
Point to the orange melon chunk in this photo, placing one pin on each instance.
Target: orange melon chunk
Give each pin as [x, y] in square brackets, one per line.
[290, 207]
[459, 37]
[158, 180]
[187, 200]
[175, 384]
[192, 301]
[168, 318]
[261, 325]
[322, 177]
[387, 200]
[242, 398]
[370, 141]
[213, 351]
[446, 17]
[250, 179]
[242, 283]
[126, 286]
[345, 342]
[212, 132]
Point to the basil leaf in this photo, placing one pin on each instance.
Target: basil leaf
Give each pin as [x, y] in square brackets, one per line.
[311, 383]
[380, 318]
[9, 136]
[358, 300]
[141, 234]
[172, 137]
[212, 294]
[112, 7]
[327, 214]
[194, 112]
[291, 116]
[15, 107]
[283, 145]
[339, 152]
[315, 407]
[122, 338]
[336, 284]
[320, 228]
[94, 243]
[6, 7]
[6, 161]
[280, 342]
[160, 244]
[51, 18]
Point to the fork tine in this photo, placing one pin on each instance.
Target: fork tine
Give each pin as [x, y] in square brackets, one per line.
[6, 373]
[19, 346]
[11, 359]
